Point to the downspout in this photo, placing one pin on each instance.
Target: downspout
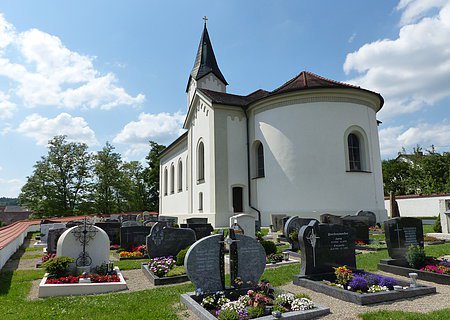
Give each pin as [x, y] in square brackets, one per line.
[248, 167]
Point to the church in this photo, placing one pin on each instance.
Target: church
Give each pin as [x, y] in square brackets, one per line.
[308, 147]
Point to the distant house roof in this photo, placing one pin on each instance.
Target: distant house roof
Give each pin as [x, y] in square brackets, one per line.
[205, 61]
[15, 209]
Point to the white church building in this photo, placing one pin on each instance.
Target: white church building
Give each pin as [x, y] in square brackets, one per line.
[308, 147]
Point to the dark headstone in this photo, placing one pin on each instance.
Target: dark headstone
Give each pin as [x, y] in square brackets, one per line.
[166, 241]
[372, 217]
[324, 246]
[285, 219]
[131, 223]
[133, 236]
[360, 225]
[171, 220]
[71, 224]
[112, 229]
[294, 224]
[52, 239]
[204, 264]
[201, 229]
[251, 259]
[197, 220]
[330, 218]
[277, 221]
[400, 233]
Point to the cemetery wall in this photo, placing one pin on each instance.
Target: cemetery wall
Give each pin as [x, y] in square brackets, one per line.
[7, 251]
[317, 180]
[419, 206]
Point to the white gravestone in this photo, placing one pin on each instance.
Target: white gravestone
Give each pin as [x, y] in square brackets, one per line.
[70, 244]
[245, 222]
[48, 226]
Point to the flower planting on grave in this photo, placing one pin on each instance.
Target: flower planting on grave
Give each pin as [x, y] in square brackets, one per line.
[161, 266]
[254, 303]
[47, 257]
[138, 252]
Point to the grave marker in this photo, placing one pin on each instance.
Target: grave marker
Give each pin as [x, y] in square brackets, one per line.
[400, 233]
[112, 228]
[294, 224]
[52, 238]
[133, 236]
[164, 241]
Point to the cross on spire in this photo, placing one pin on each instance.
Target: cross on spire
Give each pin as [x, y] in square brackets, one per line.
[205, 19]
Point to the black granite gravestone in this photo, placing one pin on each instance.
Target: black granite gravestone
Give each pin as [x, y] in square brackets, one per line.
[401, 233]
[131, 223]
[71, 224]
[284, 220]
[165, 241]
[52, 239]
[294, 224]
[197, 220]
[133, 236]
[361, 226]
[372, 217]
[112, 229]
[330, 218]
[324, 246]
[172, 221]
[201, 229]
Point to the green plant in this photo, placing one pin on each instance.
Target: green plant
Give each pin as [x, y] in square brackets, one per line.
[259, 235]
[255, 312]
[302, 295]
[176, 271]
[269, 246]
[274, 257]
[437, 227]
[343, 275]
[416, 256]
[226, 314]
[181, 255]
[279, 308]
[294, 235]
[58, 266]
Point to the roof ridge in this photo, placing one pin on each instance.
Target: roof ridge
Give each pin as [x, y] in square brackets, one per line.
[331, 80]
[288, 82]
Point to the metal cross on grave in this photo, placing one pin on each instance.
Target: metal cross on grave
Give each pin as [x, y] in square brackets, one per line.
[84, 234]
[231, 241]
[398, 234]
[312, 238]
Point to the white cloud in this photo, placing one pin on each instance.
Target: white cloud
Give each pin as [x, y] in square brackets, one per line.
[416, 9]
[10, 187]
[7, 108]
[413, 71]
[43, 129]
[163, 128]
[392, 139]
[48, 73]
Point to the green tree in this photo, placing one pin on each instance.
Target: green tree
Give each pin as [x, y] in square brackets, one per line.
[151, 176]
[395, 174]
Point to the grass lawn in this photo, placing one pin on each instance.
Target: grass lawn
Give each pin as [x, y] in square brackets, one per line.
[34, 249]
[402, 315]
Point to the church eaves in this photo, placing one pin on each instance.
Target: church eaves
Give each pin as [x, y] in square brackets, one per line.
[205, 61]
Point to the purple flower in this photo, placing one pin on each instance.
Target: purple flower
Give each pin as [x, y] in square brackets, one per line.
[372, 279]
[387, 282]
[358, 283]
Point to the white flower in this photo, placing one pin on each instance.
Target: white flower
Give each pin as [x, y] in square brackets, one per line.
[284, 298]
[302, 304]
[377, 288]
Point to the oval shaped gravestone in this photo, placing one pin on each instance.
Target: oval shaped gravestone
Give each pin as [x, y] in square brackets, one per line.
[165, 241]
[292, 224]
[251, 259]
[204, 264]
[370, 215]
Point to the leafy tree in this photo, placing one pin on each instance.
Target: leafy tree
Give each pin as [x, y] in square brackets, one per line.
[152, 176]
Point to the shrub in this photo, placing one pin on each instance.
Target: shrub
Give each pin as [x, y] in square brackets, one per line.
[58, 266]
[437, 227]
[275, 257]
[181, 255]
[226, 314]
[269, 247]
[416, 257]
[294, 235]
[255, 312]
[176, 271]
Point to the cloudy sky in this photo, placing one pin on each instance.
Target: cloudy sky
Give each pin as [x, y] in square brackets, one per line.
[116, 71]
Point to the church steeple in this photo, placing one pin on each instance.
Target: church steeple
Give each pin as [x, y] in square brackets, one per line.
[205, 61]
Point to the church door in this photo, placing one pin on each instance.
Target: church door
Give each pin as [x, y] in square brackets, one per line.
[238, 203]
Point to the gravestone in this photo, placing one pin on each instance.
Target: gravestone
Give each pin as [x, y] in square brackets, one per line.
[324, 246]
[294, 224]
[71, 224]
[277, 221]
[360, 224]
[164, 241]
[133, 236]
[131, 223]
[400, 233]
[330, 218]
[245, 222]
[197, 220]
[52, 238]
[285, 220]
[204, 264]
[88, 245]
[112, 229]
[372, 217]
[48, 226]
[172, 221]
[201, 229]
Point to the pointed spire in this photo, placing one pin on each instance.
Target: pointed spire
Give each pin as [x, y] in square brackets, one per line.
[205, 62]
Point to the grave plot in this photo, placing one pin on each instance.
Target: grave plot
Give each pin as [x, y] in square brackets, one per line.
[404, 238]
[329, 266]
[81, 265]
[164, 245]
[244, 296]
[290, 231]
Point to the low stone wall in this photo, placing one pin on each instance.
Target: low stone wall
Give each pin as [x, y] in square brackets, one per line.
[7, 251]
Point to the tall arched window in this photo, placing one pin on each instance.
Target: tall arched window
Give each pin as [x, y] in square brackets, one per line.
[259, 160]
[180, 175]
[200, 162]
[172, 178]
[354, 152]
[165, 181]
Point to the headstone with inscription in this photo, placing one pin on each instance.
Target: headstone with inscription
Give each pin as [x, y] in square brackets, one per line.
[401, 233]
[370, 215]
[293, 224]
[112, 228]
[52, 238]
[197, 220]
[325, 246]
[361, 226]
[172, 221]
[133, 236]
[164, 241]
[277, 221]
[204, 264]
[201, 229]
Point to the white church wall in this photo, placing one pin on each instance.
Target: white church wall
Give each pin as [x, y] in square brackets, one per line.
[305, 163]
[420, 206]
[176, 202]
[210, 82]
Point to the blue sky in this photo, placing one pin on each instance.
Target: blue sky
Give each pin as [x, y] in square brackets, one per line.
[116, 71]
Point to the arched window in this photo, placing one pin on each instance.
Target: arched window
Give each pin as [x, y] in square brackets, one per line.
[259, 160]
[354, 152]
[165, 181]
[180, 175]
[172, 178]
[200, 163]
[200, 201]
